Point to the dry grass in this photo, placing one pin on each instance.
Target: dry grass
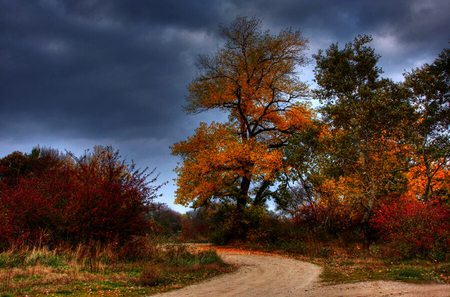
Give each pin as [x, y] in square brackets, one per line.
[150, 276]
[90, 270]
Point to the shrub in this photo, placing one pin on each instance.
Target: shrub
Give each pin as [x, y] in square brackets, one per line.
[411, 228]
[323, 221]
[221, 222]
[150, 276]
[194, 226]
[254, 225]
[96, 197]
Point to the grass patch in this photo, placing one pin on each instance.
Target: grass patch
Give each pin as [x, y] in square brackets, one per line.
[340, 270]
[101, 271]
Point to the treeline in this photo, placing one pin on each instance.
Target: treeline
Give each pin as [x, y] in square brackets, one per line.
[371, 162]
[56, 199]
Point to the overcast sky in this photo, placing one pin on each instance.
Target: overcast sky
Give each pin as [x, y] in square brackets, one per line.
[74, 74]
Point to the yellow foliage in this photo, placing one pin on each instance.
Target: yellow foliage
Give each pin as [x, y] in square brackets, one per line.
[252, 78]
[214, 157]
[417, 178]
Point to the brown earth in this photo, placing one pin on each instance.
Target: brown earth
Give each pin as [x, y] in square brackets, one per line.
[272, 275]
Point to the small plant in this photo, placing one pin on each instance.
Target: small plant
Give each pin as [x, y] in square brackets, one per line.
[150, 276]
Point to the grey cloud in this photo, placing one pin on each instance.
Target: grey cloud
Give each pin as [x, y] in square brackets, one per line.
[105, 81]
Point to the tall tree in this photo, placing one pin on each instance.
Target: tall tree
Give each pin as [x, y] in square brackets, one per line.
[430, 85]
[252, 77]
[367, 117]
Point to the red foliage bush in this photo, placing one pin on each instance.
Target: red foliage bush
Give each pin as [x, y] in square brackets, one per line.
[411, 228]
[96, 197]
[193, 229]
[326, 219]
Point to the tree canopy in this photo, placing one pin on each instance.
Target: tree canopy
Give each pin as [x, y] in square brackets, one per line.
[368, 119]
[252, 78]
[430, 86]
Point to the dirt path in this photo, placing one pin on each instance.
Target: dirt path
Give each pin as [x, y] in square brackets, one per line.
[261, 275]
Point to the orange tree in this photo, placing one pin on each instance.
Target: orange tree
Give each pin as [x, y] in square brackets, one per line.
[430, 85]
[252, 78]
[368, 119]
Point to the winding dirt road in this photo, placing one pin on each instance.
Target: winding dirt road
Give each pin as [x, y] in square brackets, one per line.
[263, 275]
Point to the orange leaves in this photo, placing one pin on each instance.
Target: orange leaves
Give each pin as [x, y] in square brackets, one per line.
[366, 171]
[296, 118]
[252, 78]
[215, 157]
[418, 176]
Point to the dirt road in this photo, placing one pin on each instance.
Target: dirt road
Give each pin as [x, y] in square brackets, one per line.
[262, 275]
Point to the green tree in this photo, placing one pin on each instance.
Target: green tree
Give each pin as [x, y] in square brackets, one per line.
[367, 117]
[304, 154]
[252, 78]
[430, 85]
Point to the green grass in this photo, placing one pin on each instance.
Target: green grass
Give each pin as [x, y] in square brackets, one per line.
[340, 270]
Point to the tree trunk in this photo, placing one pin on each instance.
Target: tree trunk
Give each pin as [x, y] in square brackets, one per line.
[366, 224]
[240, 231]
[243, 193]
[368, 209]
[427, 192]
[260, 194]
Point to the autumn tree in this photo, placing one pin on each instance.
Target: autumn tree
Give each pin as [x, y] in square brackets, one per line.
[367, 117]
[17, 165]
[252, 78]
[167, 219]
[430, 85]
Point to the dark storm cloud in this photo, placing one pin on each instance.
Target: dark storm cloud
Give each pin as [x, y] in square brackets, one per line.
[418, 27]
[180, 13]
[410, 19]
[78, 73]
[90, 70]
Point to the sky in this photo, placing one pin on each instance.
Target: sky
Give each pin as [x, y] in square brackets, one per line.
[75, 74]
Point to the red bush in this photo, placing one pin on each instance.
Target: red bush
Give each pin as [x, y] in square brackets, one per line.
[411, 228]
[95, 197]
[329, 219]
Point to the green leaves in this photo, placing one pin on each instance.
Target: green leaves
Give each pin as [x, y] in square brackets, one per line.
[350, 72]
[430, 86]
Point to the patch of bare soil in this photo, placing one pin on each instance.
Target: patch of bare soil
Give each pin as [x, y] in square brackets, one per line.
[271, 275]
[380, 288]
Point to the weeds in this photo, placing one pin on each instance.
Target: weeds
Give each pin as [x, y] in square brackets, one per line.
[150, 276]
[181, 256]
[100, 269]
